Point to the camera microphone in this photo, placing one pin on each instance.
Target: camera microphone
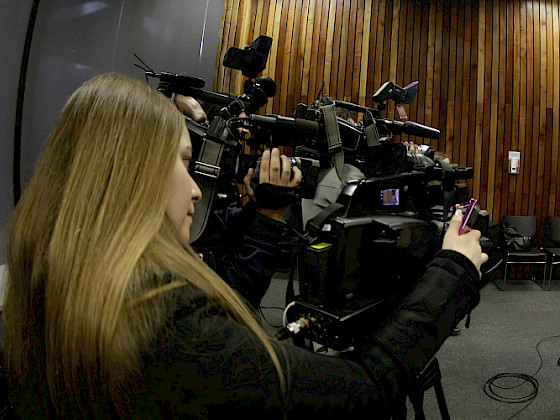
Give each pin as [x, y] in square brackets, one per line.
[410, 127]
[299, 125]
[419, 130]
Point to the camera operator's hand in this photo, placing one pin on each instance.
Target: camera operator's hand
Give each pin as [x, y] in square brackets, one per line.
[277, 170]
[191, 108]
[411, 147]
[468, 243]
[242, 130]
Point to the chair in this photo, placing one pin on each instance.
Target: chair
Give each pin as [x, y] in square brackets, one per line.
[551, 244]
[428, 378]
[525, 226]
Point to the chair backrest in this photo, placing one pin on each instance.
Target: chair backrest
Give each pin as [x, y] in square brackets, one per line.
[525, 225]
[551, 237]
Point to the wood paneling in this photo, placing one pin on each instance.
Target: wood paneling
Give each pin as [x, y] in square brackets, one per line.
[489, 73]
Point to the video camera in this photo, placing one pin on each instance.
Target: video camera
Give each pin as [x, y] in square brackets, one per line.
[237, 112]
[368, 248]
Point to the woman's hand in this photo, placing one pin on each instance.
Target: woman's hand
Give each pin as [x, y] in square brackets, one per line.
[468, 243]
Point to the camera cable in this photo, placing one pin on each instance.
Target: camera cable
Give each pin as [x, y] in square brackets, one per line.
[261, 308]
[495, 389]
[291, 329]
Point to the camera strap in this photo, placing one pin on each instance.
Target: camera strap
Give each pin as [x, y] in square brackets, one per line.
[333, 138]
[206, 172]
[315, 225]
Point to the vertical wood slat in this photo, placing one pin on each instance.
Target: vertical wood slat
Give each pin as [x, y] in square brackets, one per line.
[307, 44]
[479, 99]
[508, 109]
[489, 74]
[472, 92]
[450, 113]
[329, 46]
[536, 108]
[555, 101]
[522, 25]
[401, 44]
[414, 49]
[549, 104]
[438, 5]
[430, 64]
[294, 70]
[339, 65]
[371, 53]
[462, 102]
[516, 100]
[528, 111]
[499, 166]
[354, 88]
[314, 53]
[487, 108]
[319, 81]
[423, 51]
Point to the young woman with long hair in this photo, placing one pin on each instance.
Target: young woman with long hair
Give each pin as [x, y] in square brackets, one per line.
[109, 312]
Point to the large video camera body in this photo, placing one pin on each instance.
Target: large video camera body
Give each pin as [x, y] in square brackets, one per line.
[368, 247]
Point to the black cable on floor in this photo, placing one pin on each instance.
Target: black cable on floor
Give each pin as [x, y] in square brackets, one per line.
[494, 386]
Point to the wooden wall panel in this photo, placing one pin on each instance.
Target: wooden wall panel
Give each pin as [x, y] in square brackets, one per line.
[489, 73]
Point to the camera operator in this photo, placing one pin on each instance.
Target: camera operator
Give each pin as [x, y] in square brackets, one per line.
[244, 245]
[411, 147]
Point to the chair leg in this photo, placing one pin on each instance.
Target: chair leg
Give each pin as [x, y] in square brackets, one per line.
[430, 377]
[550, 274]
[550, 270]
[504, 279]
[544, 276]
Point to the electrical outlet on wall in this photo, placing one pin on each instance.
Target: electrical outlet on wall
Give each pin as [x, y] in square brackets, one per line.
[514, 161]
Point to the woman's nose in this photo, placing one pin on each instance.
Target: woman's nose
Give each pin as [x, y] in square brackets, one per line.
[196, 193]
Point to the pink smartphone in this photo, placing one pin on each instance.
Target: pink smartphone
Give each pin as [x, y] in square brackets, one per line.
[470, 215]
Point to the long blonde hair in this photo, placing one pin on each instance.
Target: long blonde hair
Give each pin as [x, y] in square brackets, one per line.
[88, 229]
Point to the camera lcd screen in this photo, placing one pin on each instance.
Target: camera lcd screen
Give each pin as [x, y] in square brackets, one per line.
[390, 197]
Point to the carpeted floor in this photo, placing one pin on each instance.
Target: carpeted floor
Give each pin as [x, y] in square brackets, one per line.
[505, 329]
[503, 336]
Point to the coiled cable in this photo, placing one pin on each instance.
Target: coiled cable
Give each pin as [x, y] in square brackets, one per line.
[497, 386]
